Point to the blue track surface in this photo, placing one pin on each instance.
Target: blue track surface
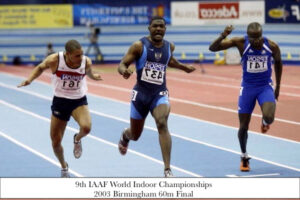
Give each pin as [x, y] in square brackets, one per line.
[200, 148]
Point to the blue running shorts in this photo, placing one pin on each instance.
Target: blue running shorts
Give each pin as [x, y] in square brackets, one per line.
[142, 103]
[249, 95]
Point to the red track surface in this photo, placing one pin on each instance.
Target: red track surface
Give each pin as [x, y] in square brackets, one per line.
[218, 87]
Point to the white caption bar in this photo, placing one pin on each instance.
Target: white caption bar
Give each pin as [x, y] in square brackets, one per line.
[150, 188]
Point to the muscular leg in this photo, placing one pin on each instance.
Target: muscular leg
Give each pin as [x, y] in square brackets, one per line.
[244, 119]
[161, 114]
[135, 130]
[82, 116]
[132, 133]
[57, 130]
[268, 112]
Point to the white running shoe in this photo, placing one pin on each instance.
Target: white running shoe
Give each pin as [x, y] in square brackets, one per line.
[65, 172]
[168, 173]
[77, 148]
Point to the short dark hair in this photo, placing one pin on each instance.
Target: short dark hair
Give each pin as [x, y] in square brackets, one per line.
[156, 18]
[49, 45]
[97, 31]
[254, 26]
[72, 45]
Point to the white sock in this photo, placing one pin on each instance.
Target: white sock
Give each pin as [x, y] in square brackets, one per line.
[244, 155]
[264, 122]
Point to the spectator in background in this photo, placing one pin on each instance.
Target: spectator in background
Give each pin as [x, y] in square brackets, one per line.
[93, 37]
[49, 49]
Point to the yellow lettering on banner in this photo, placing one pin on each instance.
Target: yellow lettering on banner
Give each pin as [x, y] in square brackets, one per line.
[36, 16]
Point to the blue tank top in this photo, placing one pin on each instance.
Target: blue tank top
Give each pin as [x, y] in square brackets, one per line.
[151, 67]
[257, 64]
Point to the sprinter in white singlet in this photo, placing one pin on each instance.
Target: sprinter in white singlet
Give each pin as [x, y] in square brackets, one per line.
[69, 69]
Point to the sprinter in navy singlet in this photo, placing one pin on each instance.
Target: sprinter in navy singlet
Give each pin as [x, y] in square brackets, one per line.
[152, 55]
[257, 53]
[150, 89]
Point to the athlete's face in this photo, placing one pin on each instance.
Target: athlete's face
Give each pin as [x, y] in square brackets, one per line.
[255, 38]
[75, 57]
[157, 30]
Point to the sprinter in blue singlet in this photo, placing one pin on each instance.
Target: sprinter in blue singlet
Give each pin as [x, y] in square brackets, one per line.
[152, 55]
[257, 53]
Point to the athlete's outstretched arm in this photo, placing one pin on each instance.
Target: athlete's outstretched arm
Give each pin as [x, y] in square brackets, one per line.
[220, 43]
[277, 66]
[174, 63]
[132, 54]
[89, 71]
[50, 62]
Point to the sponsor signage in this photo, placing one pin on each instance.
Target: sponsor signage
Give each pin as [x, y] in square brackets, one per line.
[100, 14]
[287, 11]
[219, 10]
[36, 16]
[217, 13]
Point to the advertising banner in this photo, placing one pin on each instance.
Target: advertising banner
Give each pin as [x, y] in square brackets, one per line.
[217, 13]
[36, 16]
[278, 11]
[100, 14]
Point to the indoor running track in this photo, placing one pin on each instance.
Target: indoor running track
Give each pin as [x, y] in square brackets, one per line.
[25, 146]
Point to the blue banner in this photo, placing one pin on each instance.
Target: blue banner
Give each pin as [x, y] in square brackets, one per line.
[279, 11]
[100, 14]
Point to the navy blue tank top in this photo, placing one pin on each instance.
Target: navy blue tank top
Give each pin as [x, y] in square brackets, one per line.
[151, 67]
[257, 64]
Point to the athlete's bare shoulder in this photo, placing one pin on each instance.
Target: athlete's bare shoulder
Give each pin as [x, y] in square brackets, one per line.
[275, 49]
[273, 45]
[172, 45]
[136, 48]
[52, 61]
[239, 43]
[137, 45]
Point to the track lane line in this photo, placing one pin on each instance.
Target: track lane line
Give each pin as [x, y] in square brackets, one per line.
[253, 175]
[185, 102]
[6, 136]
[173, 134]
[96, 138]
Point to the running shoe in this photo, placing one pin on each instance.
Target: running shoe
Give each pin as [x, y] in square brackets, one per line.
[77, 148]
[65, 172]
[168, 173]
[123, 145]
[245, 166]
[264, 128]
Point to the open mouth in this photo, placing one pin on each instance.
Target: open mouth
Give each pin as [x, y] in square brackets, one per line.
[158, 34]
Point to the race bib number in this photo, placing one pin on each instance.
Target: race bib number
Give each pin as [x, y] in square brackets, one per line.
[70, 85]
[154, 76]
[133, 95]
[256, 64]
[71, 82]
[241, 91]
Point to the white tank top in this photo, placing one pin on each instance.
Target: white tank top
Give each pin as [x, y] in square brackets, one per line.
[68, 82]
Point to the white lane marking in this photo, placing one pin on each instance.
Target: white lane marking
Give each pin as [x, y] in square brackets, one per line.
[96, 138]
[253, 175]
[225, 78]
[126, 103]
[187, 102]
[151, 128]
[146, 157]
[36, 152]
